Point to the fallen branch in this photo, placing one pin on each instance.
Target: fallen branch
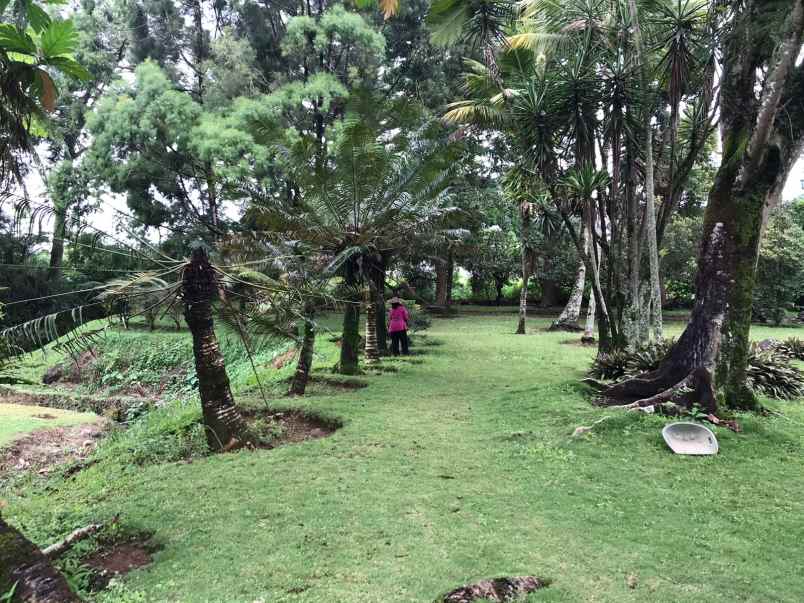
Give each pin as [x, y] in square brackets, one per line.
[57, 549]
[582, 429]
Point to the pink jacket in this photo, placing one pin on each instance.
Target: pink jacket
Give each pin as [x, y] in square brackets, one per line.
[398, 319]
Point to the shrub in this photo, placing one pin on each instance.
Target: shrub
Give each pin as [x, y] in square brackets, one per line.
[770, 373]
[626, 363]
[792, 348]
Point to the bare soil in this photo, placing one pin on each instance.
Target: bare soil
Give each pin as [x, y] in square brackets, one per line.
[44, 450]
[290, 426]
[116, 558]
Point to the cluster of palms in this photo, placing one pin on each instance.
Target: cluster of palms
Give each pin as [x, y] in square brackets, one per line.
[602, 102]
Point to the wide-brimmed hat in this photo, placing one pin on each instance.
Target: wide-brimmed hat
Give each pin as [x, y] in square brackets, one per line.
[396, 300]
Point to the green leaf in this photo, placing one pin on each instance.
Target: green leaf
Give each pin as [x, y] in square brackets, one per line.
[14, 40]
[38, 19]
[60, 38]
[69, 67]
[19, 57]
[3, 5]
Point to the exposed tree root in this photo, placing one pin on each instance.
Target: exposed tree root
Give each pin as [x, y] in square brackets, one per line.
[659, 387]
[570, 327]
[694, 389]
[498, 589]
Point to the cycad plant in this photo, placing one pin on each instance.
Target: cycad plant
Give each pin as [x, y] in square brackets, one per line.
[374, 193]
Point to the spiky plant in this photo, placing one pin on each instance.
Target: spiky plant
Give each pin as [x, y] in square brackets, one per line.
[771, 374]
[376, 191]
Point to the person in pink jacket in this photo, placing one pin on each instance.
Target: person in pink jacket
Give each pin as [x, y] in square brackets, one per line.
[398, 319]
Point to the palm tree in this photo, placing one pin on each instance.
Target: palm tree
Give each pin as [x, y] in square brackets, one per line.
[567, 65]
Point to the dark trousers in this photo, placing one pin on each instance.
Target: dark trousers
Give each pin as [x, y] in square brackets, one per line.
[397, 338]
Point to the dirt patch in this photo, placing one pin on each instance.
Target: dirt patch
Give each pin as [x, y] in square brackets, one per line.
[277, 428]
[45, 449]
[497, 589]
[116, 558]
[283, 359]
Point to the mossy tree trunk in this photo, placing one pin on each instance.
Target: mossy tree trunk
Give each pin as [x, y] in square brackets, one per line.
[23, 564]
[711, 357]
[350, 340]
[224, 425]
[298, 384]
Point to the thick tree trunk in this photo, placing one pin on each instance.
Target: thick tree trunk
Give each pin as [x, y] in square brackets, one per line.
[350, 339]
[756, 141]
[28, 571]
[589, 330]
[304, 364]
[568, 319]
[224, 425]
[444, 269]
[57, 245]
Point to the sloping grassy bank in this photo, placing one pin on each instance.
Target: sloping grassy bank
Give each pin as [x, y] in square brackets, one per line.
[449, 470]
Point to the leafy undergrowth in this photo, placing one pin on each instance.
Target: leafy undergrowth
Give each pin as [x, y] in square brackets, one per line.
[447, 472]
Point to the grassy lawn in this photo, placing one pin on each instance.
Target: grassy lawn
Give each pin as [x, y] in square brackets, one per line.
[17, 420]
[459, 467]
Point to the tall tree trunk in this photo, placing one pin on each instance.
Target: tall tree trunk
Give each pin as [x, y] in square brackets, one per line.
[589, 330]
[372, 350]
[224, 425]
[450, 276]
[378, 279]
[25, 568]
[305, 362]
[57, 245]
[523, 294]
[350, 340]
[444, 270]
[757, 141]
[568, 319]
[655, 304]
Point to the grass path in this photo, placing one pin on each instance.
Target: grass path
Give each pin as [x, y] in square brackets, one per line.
[17, 420]
[456, 468]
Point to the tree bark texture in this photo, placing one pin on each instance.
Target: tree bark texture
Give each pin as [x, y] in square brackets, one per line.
[568, 319]
[372, 350]
[224, 425]
[350, 340]
[24, 565]
[304, 364]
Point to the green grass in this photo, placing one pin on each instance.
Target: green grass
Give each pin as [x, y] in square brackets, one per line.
[17, 420]
[454, 469]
